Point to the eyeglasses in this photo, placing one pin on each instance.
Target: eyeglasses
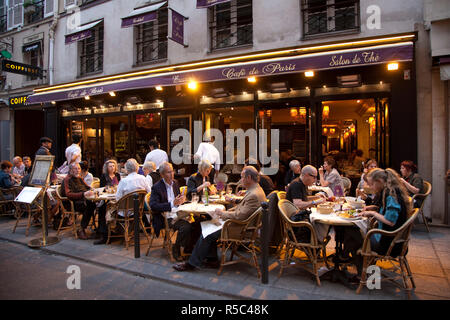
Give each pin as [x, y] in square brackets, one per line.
[315, 177]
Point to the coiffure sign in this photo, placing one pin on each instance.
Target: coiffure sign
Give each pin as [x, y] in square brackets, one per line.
[20, 68]
[17, 101]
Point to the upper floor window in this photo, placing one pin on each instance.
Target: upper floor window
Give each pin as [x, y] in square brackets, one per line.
[32, 55]
[231, 24]
[324, 16]
[3, 16]
[151, 38]
[91, 57]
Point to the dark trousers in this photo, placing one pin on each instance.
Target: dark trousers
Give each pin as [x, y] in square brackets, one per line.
[205, 248]
[188, 233]
[102, 227]
[87, 208]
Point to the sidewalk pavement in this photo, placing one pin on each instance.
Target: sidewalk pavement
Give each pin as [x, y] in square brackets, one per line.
[429, 258]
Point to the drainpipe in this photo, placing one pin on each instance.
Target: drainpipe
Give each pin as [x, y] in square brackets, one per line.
[52, 41]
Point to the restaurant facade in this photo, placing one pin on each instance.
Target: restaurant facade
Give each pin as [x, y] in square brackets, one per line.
[329, 83]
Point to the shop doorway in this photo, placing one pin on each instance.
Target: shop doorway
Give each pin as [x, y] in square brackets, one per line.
[293, 122]
[353, 131]
[28, 128]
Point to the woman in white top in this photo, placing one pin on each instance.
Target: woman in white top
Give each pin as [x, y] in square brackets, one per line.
[329, 177]
[85, 174]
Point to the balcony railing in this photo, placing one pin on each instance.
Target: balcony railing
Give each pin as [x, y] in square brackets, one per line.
[231, 24]
[321, 16]
[34, 12]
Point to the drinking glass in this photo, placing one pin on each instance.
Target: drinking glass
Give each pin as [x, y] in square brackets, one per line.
[194, 197]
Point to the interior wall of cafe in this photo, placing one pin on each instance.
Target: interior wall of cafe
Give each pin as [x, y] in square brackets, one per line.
[362, 127]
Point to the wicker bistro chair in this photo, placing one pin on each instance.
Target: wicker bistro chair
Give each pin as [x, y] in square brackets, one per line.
[400, 266]
[96, 183]
[347, 185]
[5, 203]
[311, 249]
[70, 213]
[423, 197]
[183, 190]
[240, 233]
[167, 240]
[281, 195]
[126, 206]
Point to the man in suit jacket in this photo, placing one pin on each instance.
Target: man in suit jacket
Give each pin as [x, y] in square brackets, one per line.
[249, 204]
[165, 196]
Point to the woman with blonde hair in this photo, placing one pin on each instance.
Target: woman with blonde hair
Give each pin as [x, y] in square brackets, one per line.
[393, 213]
[110, 177]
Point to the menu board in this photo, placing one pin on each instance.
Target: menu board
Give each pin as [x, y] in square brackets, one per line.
[28, 194]
[77, 128]
[41, 170]
[174, 123]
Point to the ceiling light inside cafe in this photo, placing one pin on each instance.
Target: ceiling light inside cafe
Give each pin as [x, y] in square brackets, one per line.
[159, 88]
[251, 79]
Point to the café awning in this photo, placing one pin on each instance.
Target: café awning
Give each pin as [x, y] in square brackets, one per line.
[175, 75]
[81, 32]
[142, 15]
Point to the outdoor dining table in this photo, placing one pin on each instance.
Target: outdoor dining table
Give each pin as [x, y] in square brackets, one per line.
[323, 223]
[100, 195]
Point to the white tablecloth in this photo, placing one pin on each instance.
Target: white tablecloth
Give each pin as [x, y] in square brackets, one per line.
[322, 221]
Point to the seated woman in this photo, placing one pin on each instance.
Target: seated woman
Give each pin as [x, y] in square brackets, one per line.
[412, 181]
[109, 178]
[7, 181]
[329, 177]
[368, 165]
[74, 188]
[85, 174]
[393, 213]
[200, 180]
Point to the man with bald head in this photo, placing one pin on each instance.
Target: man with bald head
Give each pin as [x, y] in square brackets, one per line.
[249, 204]
[297, 191]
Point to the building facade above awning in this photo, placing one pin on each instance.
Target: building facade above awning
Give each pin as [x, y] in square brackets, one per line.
[81, 32]
[142, 15]
[333, 59]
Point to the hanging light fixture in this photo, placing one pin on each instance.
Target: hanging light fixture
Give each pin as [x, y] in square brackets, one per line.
[302, 115]
[332, 130]
[261, 113]
[325, 112]
[294, 112]
[325, 130]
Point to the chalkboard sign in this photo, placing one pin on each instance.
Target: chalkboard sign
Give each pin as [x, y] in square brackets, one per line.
[40, 174]
[77, 128]
[174, 123]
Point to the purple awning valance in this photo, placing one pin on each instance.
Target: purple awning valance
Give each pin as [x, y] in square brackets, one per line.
[81, 32]
[241, 70]
[142, 15]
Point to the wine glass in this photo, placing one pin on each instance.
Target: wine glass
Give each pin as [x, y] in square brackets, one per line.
[194, 197]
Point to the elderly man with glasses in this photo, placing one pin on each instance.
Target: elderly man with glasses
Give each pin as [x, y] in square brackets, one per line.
[297, 191]
[74, 188]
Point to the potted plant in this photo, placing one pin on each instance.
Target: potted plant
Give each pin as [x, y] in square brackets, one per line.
[29, 6]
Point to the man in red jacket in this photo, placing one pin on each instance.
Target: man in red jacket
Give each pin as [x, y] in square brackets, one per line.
[74, 188]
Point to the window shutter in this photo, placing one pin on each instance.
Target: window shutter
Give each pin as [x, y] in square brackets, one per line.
[18, 13]
[48, 8]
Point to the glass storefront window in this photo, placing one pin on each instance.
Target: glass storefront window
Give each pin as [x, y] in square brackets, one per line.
[148, 127]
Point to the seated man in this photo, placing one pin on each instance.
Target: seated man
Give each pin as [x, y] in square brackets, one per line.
[166, 196]
[264, 181]
[148, 168]
[19, 168]
[294, 171]
[74, 188]
[28, 165]
[251, 202]
[297, 191]
[132, 182]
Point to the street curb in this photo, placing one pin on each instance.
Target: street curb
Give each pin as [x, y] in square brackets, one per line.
[135, 273]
